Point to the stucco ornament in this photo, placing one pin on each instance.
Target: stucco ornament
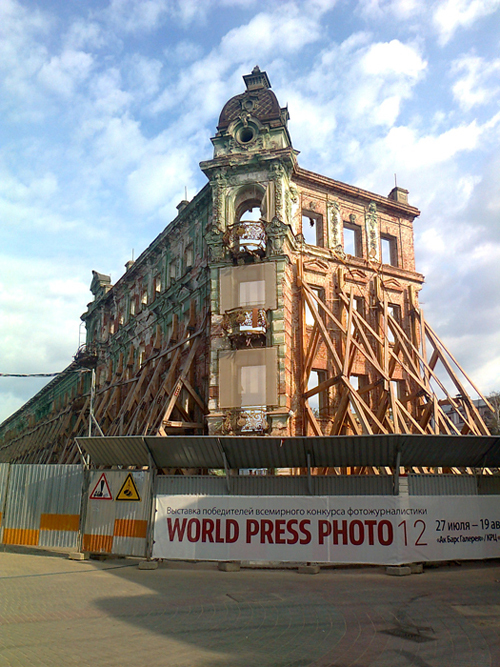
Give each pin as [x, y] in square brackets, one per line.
[372, 231]
[214, 240]
[276, 233]
[218, 188]
[334, 225]
[294, 201]
[277, 175]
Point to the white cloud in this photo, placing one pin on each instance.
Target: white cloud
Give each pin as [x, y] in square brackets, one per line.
[260, 36]
[478, 80]
[32, 344]
[159, 181]
[400, 9]
[62, 74]
[393, 58]
[22, 53]
[85, 34]
[450, 15]
[185, 51]
[108, 95]
[425, 150]
[143, 76]
[137, 15]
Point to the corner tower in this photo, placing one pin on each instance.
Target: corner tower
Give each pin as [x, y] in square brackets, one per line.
[250, 178]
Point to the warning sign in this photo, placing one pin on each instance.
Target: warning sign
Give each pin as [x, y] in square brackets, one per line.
[129, 490]
[101, 490]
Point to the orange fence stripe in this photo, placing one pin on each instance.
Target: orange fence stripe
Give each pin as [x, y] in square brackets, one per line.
[130, 528]
[20, 536]
[59, 522]
[98, 543]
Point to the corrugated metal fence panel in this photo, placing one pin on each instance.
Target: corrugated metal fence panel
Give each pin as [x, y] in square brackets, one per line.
[196, 485]
[352, 485]
[442, 485]
[262, 485]
[132, 518]
[279, 485]
[488, 484]
[43, 505]
[4, 477]
[114, 524]
[61, 506]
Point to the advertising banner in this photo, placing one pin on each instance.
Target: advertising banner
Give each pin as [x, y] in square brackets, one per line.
[385, 530]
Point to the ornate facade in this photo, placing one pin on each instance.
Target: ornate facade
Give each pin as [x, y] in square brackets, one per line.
[278, 301]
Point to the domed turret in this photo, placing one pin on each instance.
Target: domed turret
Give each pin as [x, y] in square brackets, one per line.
[252, 120]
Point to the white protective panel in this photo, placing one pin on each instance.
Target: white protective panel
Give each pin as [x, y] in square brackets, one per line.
[252, 284]
[248, 377]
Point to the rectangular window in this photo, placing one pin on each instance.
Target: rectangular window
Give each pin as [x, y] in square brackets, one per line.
[309, 316]
[312, 228]
[394, 310]
[172, 272]
[144, 298]
[389, 249]
[352, 240]
[189, 256]
[318, 402]
[157, 284]
[132, 306]
[397, 388]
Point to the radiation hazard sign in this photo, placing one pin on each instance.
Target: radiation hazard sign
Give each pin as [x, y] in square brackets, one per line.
[101, 490]
[129, 490]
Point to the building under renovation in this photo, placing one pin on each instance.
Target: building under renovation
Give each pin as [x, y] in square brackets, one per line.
[277, 302]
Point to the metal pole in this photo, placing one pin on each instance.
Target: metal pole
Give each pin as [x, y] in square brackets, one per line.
[396, 473]
[309, 478]
[91, 408]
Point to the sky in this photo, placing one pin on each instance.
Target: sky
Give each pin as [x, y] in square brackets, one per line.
[107, 107]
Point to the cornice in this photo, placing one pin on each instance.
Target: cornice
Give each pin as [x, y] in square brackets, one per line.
[311, 178]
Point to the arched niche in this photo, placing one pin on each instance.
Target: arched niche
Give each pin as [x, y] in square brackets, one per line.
[246, 200]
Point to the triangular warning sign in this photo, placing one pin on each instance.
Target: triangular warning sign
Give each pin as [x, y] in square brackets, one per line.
[129, 490]
[101, 490]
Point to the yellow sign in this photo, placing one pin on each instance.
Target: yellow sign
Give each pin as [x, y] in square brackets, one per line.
[129, 490]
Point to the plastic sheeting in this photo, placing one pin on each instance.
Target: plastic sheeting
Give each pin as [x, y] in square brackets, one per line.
[248, 377]
[236, 288]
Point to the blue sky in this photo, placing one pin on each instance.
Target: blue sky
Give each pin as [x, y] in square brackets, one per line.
[106, 109]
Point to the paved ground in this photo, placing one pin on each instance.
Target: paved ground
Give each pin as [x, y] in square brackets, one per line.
[98, 613]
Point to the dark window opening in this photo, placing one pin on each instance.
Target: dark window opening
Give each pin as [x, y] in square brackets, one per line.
[388, 247]
[394, 310]
[312, 228]
[320, 293]
[319, 402]
[352, 240]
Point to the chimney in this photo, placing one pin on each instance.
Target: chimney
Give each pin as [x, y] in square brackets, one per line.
[398, 194]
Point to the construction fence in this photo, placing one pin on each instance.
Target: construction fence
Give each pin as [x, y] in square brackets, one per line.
[344, 519]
